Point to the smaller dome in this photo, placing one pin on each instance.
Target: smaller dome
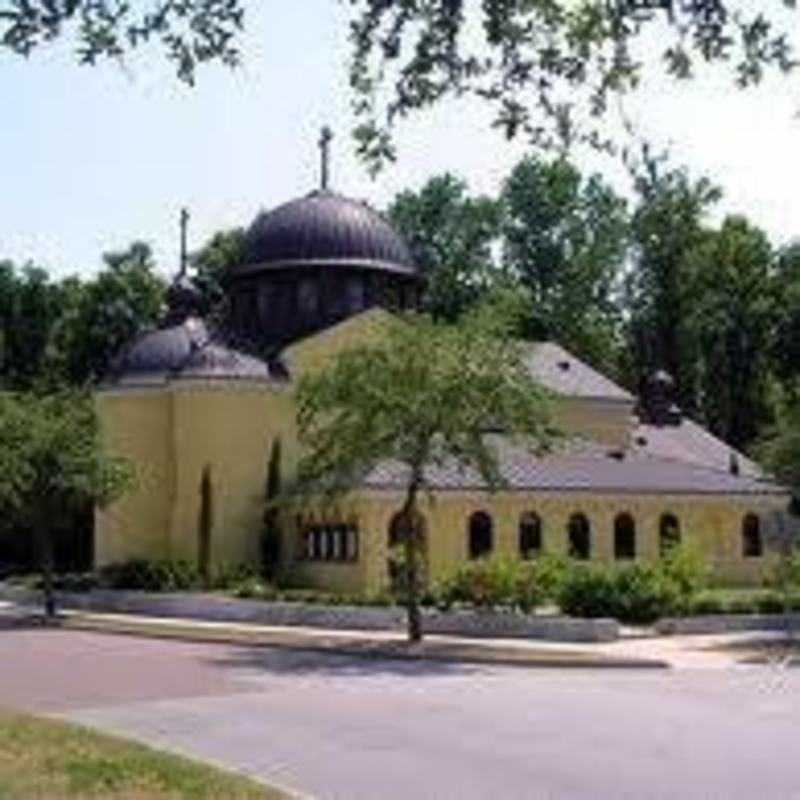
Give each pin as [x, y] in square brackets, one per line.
[183, 351]
[326, 228]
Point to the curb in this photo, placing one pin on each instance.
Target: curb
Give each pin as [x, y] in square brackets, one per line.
[360, 646]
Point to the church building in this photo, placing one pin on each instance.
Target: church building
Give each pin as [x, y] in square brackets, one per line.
[321, 273]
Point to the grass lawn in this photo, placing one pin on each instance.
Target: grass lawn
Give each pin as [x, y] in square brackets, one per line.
[46, 760]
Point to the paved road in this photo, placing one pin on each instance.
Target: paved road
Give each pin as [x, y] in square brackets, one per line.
[340, 727]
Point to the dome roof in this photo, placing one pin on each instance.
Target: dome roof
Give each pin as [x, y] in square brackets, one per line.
[185, 350]
[326, 228]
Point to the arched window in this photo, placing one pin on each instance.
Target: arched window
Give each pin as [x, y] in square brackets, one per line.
[669, 533]
[624, 537]
[480, 534]
[530, 535]
[580, 537]
[752, 542]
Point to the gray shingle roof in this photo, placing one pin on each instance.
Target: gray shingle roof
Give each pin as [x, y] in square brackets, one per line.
[562, 373]
[583, 468]
[691, 444]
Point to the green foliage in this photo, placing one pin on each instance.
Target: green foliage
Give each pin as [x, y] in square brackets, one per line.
[52, 451]
[500, 581]
[638, 593]
[271, 534]
[151, 576]
[191, 32]
[668, 225]
[684, 567]
[548, 70]
[565, 240]
[779, 447]
[421, 395]
[223, 251]
[732, 320]
[450, 234]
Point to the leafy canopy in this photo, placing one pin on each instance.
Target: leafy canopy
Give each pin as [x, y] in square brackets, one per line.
[422, 395]
[548, 67]
[51, 453]
[191, 32]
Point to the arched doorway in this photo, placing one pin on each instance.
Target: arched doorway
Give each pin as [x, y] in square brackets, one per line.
[399, 529]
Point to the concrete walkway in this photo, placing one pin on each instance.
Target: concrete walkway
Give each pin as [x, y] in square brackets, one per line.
[719, 651]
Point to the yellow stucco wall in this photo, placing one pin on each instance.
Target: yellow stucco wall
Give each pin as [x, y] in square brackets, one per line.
[713, 523]
[138, 425]
[171, 432]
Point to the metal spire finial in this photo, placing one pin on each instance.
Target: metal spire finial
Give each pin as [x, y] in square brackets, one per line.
[324, 146]
[184, 228]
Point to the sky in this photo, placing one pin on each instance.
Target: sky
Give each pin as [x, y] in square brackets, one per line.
[92, 159]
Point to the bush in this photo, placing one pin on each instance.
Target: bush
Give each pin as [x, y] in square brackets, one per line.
[254, 588]
[707, 604]
[491, 583]
[151, 576]
[551, 571]
[639, 593]
[225, 577]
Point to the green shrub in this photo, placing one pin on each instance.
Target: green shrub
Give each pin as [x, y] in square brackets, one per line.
[686, 570]
[770, 603]
[225, 577]
[707, 604]
[151, 576]
[784, 575]
[551, 570]
[639, 593]
[589, 591]
[254, 588]
[491, 583]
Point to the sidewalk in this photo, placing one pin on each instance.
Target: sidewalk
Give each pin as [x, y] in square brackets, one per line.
[718, 651]
[375, 644]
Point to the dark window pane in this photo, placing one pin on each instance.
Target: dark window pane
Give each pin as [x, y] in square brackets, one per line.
[580, 545]
[669, 533]
[624, 537]
[530, 535]
[480, 534]
[752, 544]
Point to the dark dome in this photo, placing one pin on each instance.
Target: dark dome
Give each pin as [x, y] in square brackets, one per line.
[326, 228]
[185, 350]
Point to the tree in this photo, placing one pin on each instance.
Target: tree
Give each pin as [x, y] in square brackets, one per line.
[30, 304]
[451, 235]
[125, 298]
[422, 395]
[548, 68]
[786, 350]
[565, 239]
[733, 323]
[191, 32]
[271, 536]
[51, 458]
[668, 225]
[223, 251]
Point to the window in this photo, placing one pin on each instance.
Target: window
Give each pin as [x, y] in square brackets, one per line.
[669, 533]
[752, 543]
[480, 534]
[530, 535]
[579, 532]
[624, 537]
[330, 542]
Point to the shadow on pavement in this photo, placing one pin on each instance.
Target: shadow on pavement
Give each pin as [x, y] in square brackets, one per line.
[278, 661]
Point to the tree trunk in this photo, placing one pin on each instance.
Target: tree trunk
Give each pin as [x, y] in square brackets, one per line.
[45, 541]
[411, 546]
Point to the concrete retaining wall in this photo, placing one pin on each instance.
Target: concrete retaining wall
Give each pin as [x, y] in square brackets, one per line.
[728, 623]
[224, 609]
